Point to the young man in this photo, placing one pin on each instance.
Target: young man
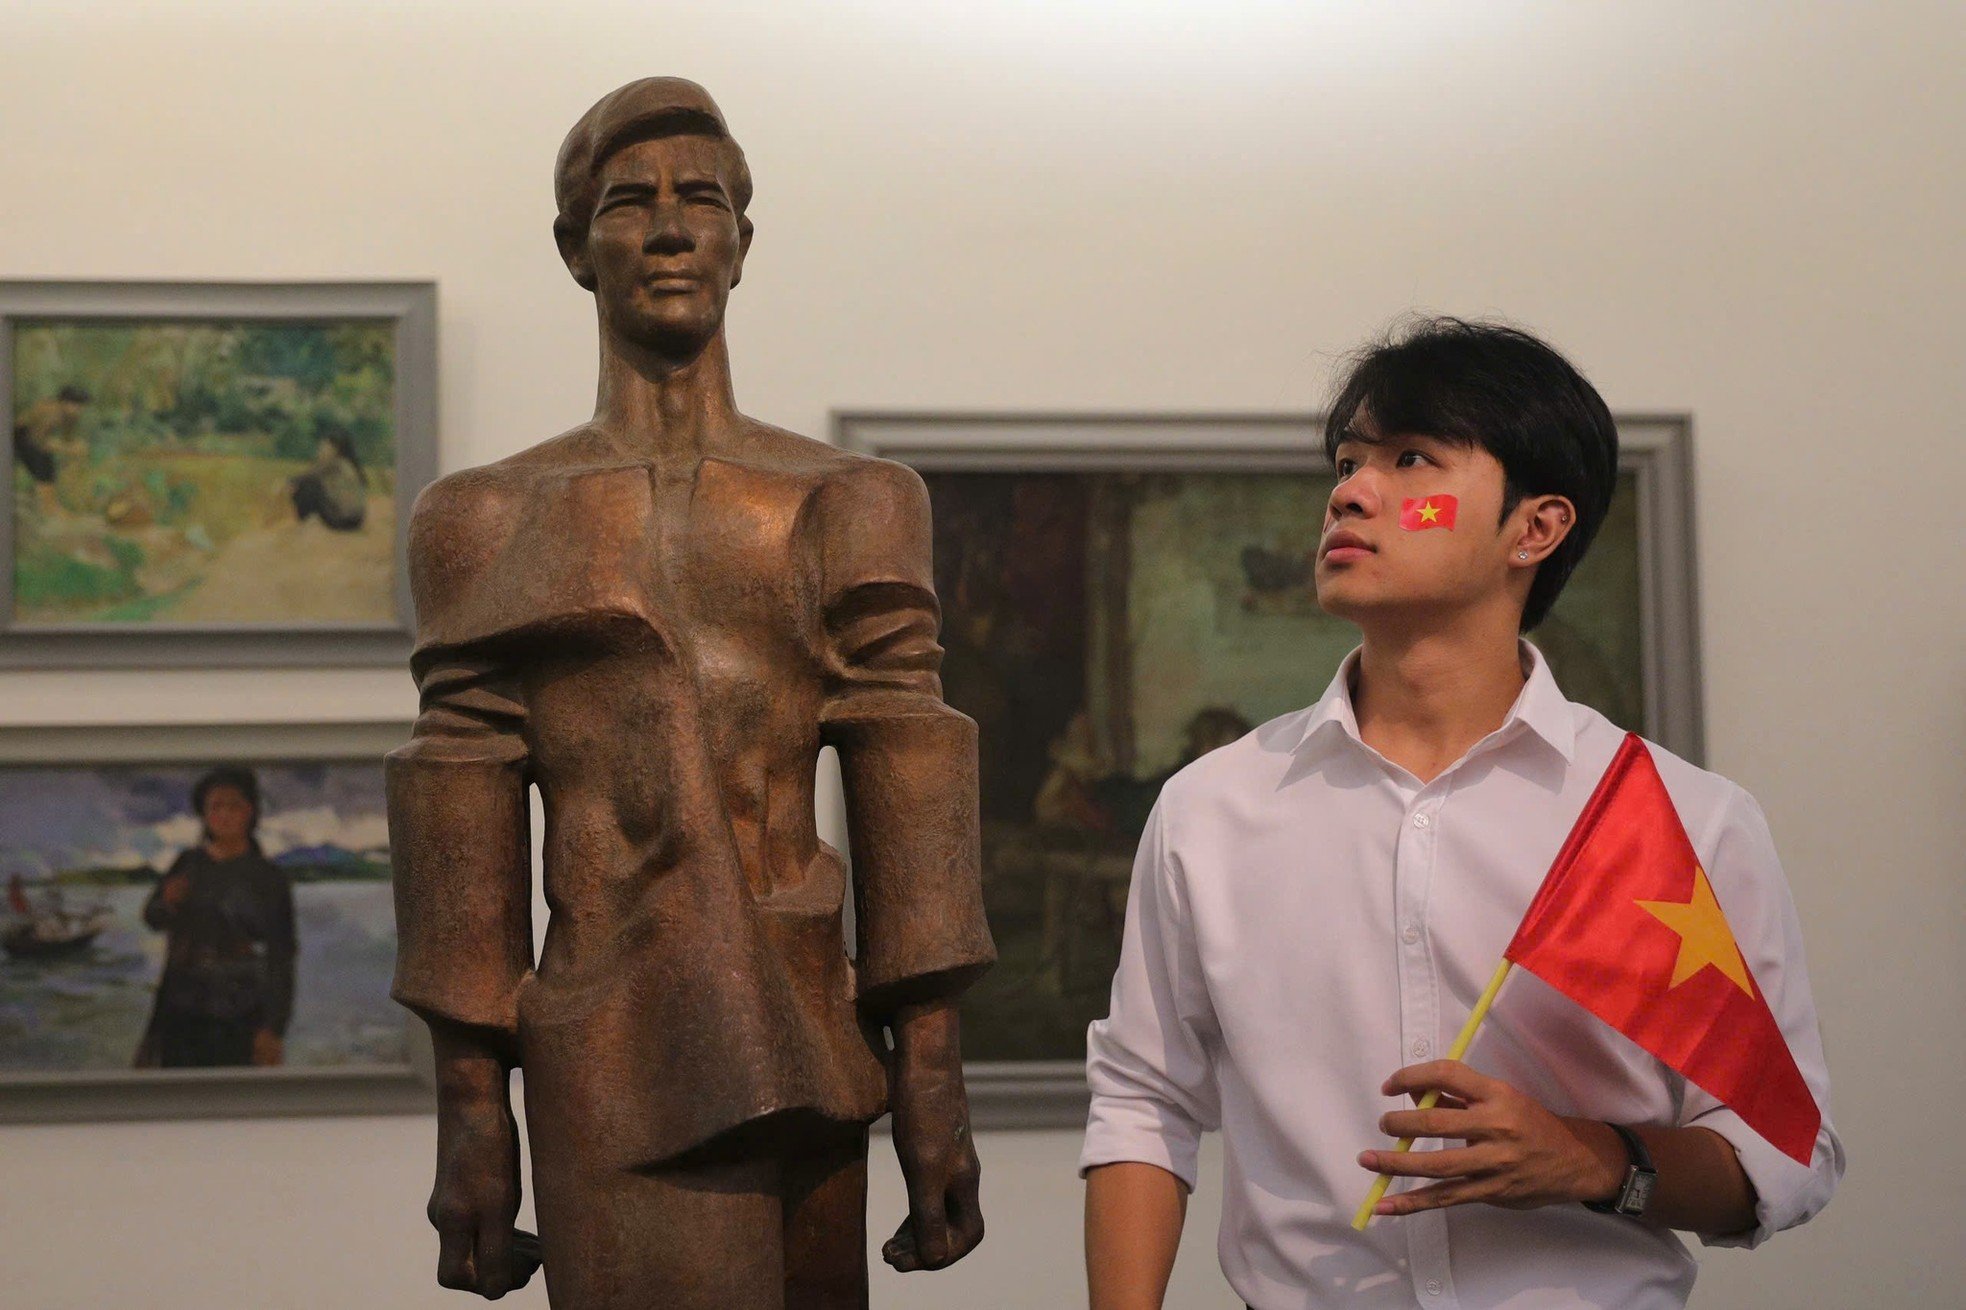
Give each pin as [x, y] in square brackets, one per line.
[1316, 908]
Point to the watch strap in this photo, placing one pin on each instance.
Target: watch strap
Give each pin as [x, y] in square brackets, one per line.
[1640, 1177]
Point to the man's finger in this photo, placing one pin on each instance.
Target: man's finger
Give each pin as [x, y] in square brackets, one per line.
[1446, 1076]
[454, 1259]
[1457, 1162]
[1460, 1125]
[1438, 1197]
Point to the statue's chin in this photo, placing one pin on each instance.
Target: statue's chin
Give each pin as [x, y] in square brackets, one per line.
[679, 337]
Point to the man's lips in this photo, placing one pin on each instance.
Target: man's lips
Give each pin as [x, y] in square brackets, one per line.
[671, 281]
[1343, 545]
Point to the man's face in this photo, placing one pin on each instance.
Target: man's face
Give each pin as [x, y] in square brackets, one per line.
[664, 247]
[1369, 565]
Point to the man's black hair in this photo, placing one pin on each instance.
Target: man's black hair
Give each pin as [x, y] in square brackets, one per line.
[1500, 389]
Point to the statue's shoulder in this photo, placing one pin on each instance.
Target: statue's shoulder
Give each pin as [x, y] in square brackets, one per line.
[494, 495]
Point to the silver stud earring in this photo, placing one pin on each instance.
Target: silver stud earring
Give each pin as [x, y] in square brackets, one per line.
[1522, 554]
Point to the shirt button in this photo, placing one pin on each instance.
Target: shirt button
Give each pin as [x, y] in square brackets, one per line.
[1422, 1048]
[1433, 1287]
[1421, 821]
[1409, 934]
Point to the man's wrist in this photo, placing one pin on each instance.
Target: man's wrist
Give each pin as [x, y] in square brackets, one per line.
[1602, 1160]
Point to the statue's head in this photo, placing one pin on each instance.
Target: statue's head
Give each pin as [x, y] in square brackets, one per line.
[652, 192]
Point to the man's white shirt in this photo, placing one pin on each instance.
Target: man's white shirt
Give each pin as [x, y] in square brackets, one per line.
[1306, 917]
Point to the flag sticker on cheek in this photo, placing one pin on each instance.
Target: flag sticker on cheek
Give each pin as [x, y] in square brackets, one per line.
[1427, 512]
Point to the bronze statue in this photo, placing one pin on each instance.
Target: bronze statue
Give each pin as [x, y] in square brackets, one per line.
[659, 618]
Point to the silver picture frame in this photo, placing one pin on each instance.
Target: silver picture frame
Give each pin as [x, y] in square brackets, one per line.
[135, 1094]
[1655, 451]
[411, 309]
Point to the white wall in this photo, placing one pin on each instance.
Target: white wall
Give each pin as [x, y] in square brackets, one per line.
[1749, 213]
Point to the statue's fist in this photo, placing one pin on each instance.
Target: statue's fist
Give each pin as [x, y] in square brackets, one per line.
[931, 1139]
[475, 1201]
[945, 1218]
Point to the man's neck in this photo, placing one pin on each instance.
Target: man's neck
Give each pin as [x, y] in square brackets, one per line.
[670, 411]
[1423, 698]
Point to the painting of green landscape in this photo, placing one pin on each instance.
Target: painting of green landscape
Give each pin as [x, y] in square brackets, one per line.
[203, 474]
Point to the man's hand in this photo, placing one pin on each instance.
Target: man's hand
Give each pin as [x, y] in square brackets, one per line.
[931, 1137]
[1518, 1154]
[174, 890]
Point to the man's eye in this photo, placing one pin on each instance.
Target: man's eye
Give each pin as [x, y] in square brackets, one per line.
[1411, 459]
[1346, 468]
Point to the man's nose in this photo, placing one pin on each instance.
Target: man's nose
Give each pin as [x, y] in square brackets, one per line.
[1356, 496]
[668, 234]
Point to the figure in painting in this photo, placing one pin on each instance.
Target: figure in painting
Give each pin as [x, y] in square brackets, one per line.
[45, 430]
[332, 488]
[659, 619]
[227, 989]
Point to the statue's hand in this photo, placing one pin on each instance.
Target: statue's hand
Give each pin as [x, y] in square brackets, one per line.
[931, 1137]
[477, 1198]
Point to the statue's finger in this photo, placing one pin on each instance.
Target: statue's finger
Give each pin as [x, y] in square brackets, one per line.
[454, 1258]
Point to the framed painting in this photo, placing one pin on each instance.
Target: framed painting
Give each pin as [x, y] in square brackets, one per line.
[212, 473]
[199, 922]
[1122, 594]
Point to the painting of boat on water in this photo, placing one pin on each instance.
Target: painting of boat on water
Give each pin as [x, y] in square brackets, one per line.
[200, 914]
[203, 473]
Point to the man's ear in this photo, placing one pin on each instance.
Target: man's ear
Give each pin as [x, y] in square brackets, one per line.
[573, 251]
[1542, 524]
[743, 249]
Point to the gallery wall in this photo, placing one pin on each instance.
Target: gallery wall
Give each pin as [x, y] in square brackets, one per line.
[1745, 213]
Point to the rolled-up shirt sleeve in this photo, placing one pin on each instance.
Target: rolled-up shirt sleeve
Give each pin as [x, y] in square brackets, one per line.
[1747, 878]
[1150, 1061]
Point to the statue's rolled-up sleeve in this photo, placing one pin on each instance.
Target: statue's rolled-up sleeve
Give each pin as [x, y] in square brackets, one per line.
[907, 760]
[459, 813]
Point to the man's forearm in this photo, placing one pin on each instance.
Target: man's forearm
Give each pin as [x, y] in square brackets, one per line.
[1701, 1188]
[1133, 1217]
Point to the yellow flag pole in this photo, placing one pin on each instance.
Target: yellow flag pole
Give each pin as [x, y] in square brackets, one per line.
[1427, 1102]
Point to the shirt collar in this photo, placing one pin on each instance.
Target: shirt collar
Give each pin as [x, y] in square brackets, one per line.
[1540, 707]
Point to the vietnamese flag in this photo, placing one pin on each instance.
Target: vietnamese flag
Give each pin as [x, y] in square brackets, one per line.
[1627, 926]
[1428, 512]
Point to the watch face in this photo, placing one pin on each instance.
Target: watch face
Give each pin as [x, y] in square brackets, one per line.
[1638, 1192]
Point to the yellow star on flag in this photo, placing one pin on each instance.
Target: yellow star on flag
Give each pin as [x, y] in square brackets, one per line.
[1429, 513]
[1704, 937]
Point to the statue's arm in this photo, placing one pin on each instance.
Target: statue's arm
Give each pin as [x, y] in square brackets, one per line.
[461, 850]
[909, 770]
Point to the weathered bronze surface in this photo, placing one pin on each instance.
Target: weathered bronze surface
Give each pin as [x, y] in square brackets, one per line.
[659, 618]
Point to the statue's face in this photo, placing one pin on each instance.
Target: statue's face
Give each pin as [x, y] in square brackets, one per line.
[665, 245]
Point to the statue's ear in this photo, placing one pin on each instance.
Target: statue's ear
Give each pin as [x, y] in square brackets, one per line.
[573, 251]
[743, 248]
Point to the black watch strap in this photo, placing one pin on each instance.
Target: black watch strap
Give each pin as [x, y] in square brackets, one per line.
[1640, 1177]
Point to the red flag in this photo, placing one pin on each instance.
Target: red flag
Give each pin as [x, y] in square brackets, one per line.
[1428, 512]
[1627, 926]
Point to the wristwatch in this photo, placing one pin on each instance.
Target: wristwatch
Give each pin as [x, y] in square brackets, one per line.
[1640, 1178]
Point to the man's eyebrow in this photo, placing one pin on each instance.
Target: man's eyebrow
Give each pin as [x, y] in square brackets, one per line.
[1350, 433]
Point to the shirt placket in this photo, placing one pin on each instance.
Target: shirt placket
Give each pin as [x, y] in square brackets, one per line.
[1419, 1003]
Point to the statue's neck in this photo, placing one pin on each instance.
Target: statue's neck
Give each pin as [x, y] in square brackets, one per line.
[662, 408]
